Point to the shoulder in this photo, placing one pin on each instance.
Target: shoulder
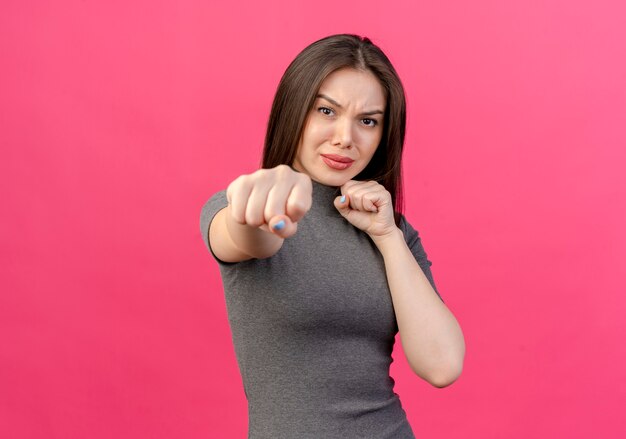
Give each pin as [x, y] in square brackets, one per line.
[409, 232]
[217, 199]
[211, 207]
[414, 241]
[214, 204]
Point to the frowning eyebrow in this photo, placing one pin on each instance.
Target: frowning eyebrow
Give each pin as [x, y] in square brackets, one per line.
[334, 102]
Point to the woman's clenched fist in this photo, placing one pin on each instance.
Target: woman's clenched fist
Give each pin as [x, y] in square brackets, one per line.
[368, 206]
[271, 199]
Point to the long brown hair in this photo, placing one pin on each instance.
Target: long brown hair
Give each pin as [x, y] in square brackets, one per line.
[295, 97]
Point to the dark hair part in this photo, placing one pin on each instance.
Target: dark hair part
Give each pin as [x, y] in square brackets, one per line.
[296, 94]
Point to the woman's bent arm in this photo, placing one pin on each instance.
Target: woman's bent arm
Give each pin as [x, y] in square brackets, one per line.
[431, 337]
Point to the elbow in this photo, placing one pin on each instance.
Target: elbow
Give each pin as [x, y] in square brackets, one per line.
[451, 368]
[444, 381]
[446, 376]
[445, 365]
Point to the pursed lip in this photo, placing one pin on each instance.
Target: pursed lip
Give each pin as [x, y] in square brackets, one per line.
[338, 158]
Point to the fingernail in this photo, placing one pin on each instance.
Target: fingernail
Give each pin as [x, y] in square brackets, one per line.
[279, 225]
[343, 199]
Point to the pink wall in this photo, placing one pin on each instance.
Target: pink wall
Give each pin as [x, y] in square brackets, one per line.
[119, 119]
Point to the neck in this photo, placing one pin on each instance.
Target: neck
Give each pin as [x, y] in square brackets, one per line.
[324, 197]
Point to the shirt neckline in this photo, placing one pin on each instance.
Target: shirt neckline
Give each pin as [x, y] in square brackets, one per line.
[323, 198]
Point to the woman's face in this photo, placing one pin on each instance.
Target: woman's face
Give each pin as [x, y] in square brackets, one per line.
[343, 129]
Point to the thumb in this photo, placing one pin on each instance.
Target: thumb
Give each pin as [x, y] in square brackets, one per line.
[281, 225]
[342, 204]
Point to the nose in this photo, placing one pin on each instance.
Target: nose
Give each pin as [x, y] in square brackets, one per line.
[342, 136]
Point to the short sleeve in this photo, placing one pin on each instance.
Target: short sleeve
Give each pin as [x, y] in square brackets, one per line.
[414, 242]
[216, 203]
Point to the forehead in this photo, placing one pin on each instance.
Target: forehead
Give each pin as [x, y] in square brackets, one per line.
[353, 87]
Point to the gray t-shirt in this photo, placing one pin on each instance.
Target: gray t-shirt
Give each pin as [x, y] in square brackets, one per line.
[313, 329]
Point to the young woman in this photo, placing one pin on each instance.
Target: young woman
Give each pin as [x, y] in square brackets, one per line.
[320, 267]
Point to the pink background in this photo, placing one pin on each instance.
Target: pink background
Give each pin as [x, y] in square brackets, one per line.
[118, 120]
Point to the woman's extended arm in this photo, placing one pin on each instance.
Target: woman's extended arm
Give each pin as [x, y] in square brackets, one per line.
[234, 242]
[263, 209]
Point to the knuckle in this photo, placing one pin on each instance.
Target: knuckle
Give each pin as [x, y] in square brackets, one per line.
[256, 176]
[242, 180]
[283, 171]
[233, 185]
[270, 213]
[297, 206]
[253, 219]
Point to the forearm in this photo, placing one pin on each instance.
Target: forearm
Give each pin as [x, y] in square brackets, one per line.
[252, 241]
[431, 336]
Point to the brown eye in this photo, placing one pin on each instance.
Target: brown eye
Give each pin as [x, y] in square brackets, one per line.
[373, 122]
[325, 110]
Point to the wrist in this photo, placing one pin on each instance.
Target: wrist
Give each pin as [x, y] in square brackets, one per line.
[388, 239]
